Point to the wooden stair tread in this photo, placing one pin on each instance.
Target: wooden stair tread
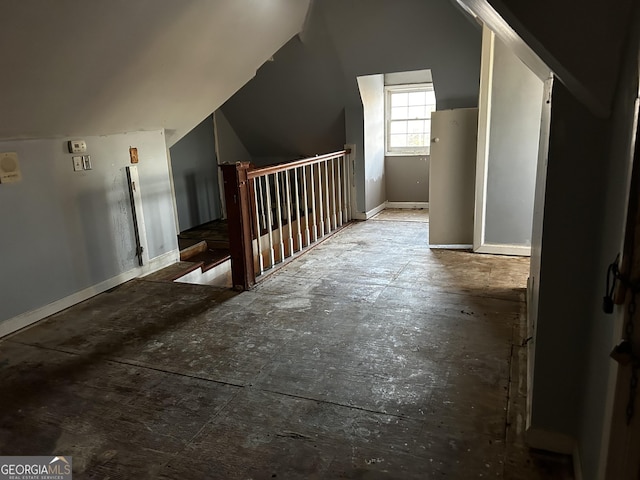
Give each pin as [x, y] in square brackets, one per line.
[173, 272]
[191, 251]
[211, 258]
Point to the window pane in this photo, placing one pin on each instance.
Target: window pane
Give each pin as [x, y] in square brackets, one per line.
[416, 126]
[431, 97]
[415, 140]
[399, 113]
[398, 141]
[418, 112]
[398, 127]
[418, 98]
[399, 99]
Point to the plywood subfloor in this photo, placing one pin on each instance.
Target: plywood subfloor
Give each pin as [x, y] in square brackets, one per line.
[369, 357]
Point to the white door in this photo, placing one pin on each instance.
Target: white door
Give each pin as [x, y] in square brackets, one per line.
[452, 174]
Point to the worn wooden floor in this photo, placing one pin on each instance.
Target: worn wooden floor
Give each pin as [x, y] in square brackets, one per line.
[369, 357]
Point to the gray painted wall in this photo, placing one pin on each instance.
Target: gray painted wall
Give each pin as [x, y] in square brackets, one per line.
[407, 178]
[584, 207]
[303, 102]
[294, 107]
[230, 147]
[514, 132]
[195, 176]
[65, 231]
[570, 268]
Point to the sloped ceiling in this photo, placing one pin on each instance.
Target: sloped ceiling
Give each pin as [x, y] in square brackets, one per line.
[77, 67]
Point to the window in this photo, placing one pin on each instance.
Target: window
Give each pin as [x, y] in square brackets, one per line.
[408, 118]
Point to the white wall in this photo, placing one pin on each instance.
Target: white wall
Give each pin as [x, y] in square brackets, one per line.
[372, 93]
[64, 232]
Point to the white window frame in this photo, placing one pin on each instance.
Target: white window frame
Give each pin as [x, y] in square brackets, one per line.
[403, 151]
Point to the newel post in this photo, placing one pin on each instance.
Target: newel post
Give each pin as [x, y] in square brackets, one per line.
[237, 194]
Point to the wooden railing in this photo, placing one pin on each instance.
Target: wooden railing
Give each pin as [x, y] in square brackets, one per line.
[277, 211]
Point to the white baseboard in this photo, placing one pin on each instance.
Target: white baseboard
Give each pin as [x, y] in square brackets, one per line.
[160, 262]
[452, 247]
[26, 319]
[550, 441]
[497, 249]
[370, 213]
[409, 205]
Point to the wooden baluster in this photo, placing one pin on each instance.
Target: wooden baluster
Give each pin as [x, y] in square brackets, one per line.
[320, 202]
[287, 175]
[339, 189]
[267, 188]
[313, 203]
[348, 180]
[327, 194]
[257, 224]
[298, 216]
[263, 220]
[345, 194]
[334, 194]
[279, 212]
[306, 205]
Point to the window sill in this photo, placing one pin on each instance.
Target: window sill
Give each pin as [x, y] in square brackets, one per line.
[412, 154]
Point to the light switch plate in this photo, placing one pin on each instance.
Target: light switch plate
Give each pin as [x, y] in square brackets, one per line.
[77, 164]
[86, 162]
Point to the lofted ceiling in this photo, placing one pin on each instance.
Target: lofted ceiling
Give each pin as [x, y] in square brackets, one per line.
[73, 67]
